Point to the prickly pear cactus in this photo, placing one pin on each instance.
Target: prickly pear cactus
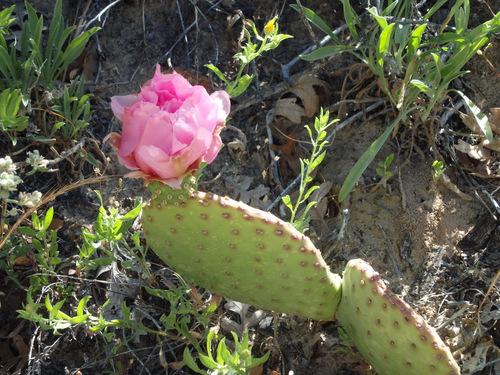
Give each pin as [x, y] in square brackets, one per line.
[393, 338]
[239, 252]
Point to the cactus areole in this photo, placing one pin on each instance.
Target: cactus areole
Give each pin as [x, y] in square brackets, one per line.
[239, 252]
[392, 337]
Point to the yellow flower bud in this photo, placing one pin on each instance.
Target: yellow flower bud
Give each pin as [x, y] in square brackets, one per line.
[269, 28]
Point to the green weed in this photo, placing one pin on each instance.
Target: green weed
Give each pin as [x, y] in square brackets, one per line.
[239, 362]
[307, 166]
[383, 169]
[407, 61]
[437, 170]
[269, 41]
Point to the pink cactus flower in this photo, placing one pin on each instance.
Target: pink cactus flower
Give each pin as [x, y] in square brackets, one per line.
[169, 128]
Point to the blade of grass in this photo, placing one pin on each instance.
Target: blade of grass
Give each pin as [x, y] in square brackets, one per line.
[318, 22]
[481, 118]
[351, 19]
[368, 156]
[327, 51]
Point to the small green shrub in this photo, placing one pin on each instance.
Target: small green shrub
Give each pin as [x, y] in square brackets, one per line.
[408, 60]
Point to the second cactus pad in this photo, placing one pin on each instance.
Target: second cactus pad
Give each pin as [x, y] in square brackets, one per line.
[392, 337]
[242, 253]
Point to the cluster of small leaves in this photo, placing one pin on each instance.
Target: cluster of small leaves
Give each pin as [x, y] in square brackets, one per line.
[269, 41]
[41, 241]
[58, 320]
[225, 362]
[437, 170]
[383, 169]
[307, 166]
[73, 108]
[30, 67]
[10, 120]
[107, 238]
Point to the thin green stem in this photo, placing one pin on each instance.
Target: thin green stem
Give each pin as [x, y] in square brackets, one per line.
[4, 214]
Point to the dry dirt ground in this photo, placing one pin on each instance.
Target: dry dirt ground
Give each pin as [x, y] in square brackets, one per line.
[436, 244]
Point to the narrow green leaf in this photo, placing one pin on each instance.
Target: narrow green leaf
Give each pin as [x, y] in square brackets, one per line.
[481, 118]
[414, 42]
[287, 201]
[381, 20]
[325, 52]
[318, 22]
[351, 19]
[48, 218]
[435, 8]
[189, 361]
[208, 362]
[317, 161]
[367, 157]
[82, 304]
[261, 360]
[242, 86]
[311, 190]
[388, 11]
[444, 39]
[383, 44]
[422, 86]
[78, 319]
[27, 231]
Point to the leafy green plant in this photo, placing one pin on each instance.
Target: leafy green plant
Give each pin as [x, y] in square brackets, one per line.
[307, 166]
[251, 51]
[73, 106]
[383, 171]
[406, 63]
[397, 50]
[35, 61]
[29, 72]
[57, 320]
[107, 236]
[5, 19]
[437, 170]
[44, 242]
[10, 121]
[239, 362]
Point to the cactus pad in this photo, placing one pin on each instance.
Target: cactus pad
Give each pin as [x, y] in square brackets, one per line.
[392, 337]
[240, 252]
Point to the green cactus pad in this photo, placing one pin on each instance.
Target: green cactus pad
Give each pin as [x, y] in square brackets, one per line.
[241, 253]
[392, 337]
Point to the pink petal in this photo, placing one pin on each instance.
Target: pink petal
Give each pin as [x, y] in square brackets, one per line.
[185, 131]
[119, 103]
[161, 132]
[114, 139]
[155, 162]
[213, 149]
[128, 161]
[197, 148]
[203, 108]
[222, 102]
[134, 122]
